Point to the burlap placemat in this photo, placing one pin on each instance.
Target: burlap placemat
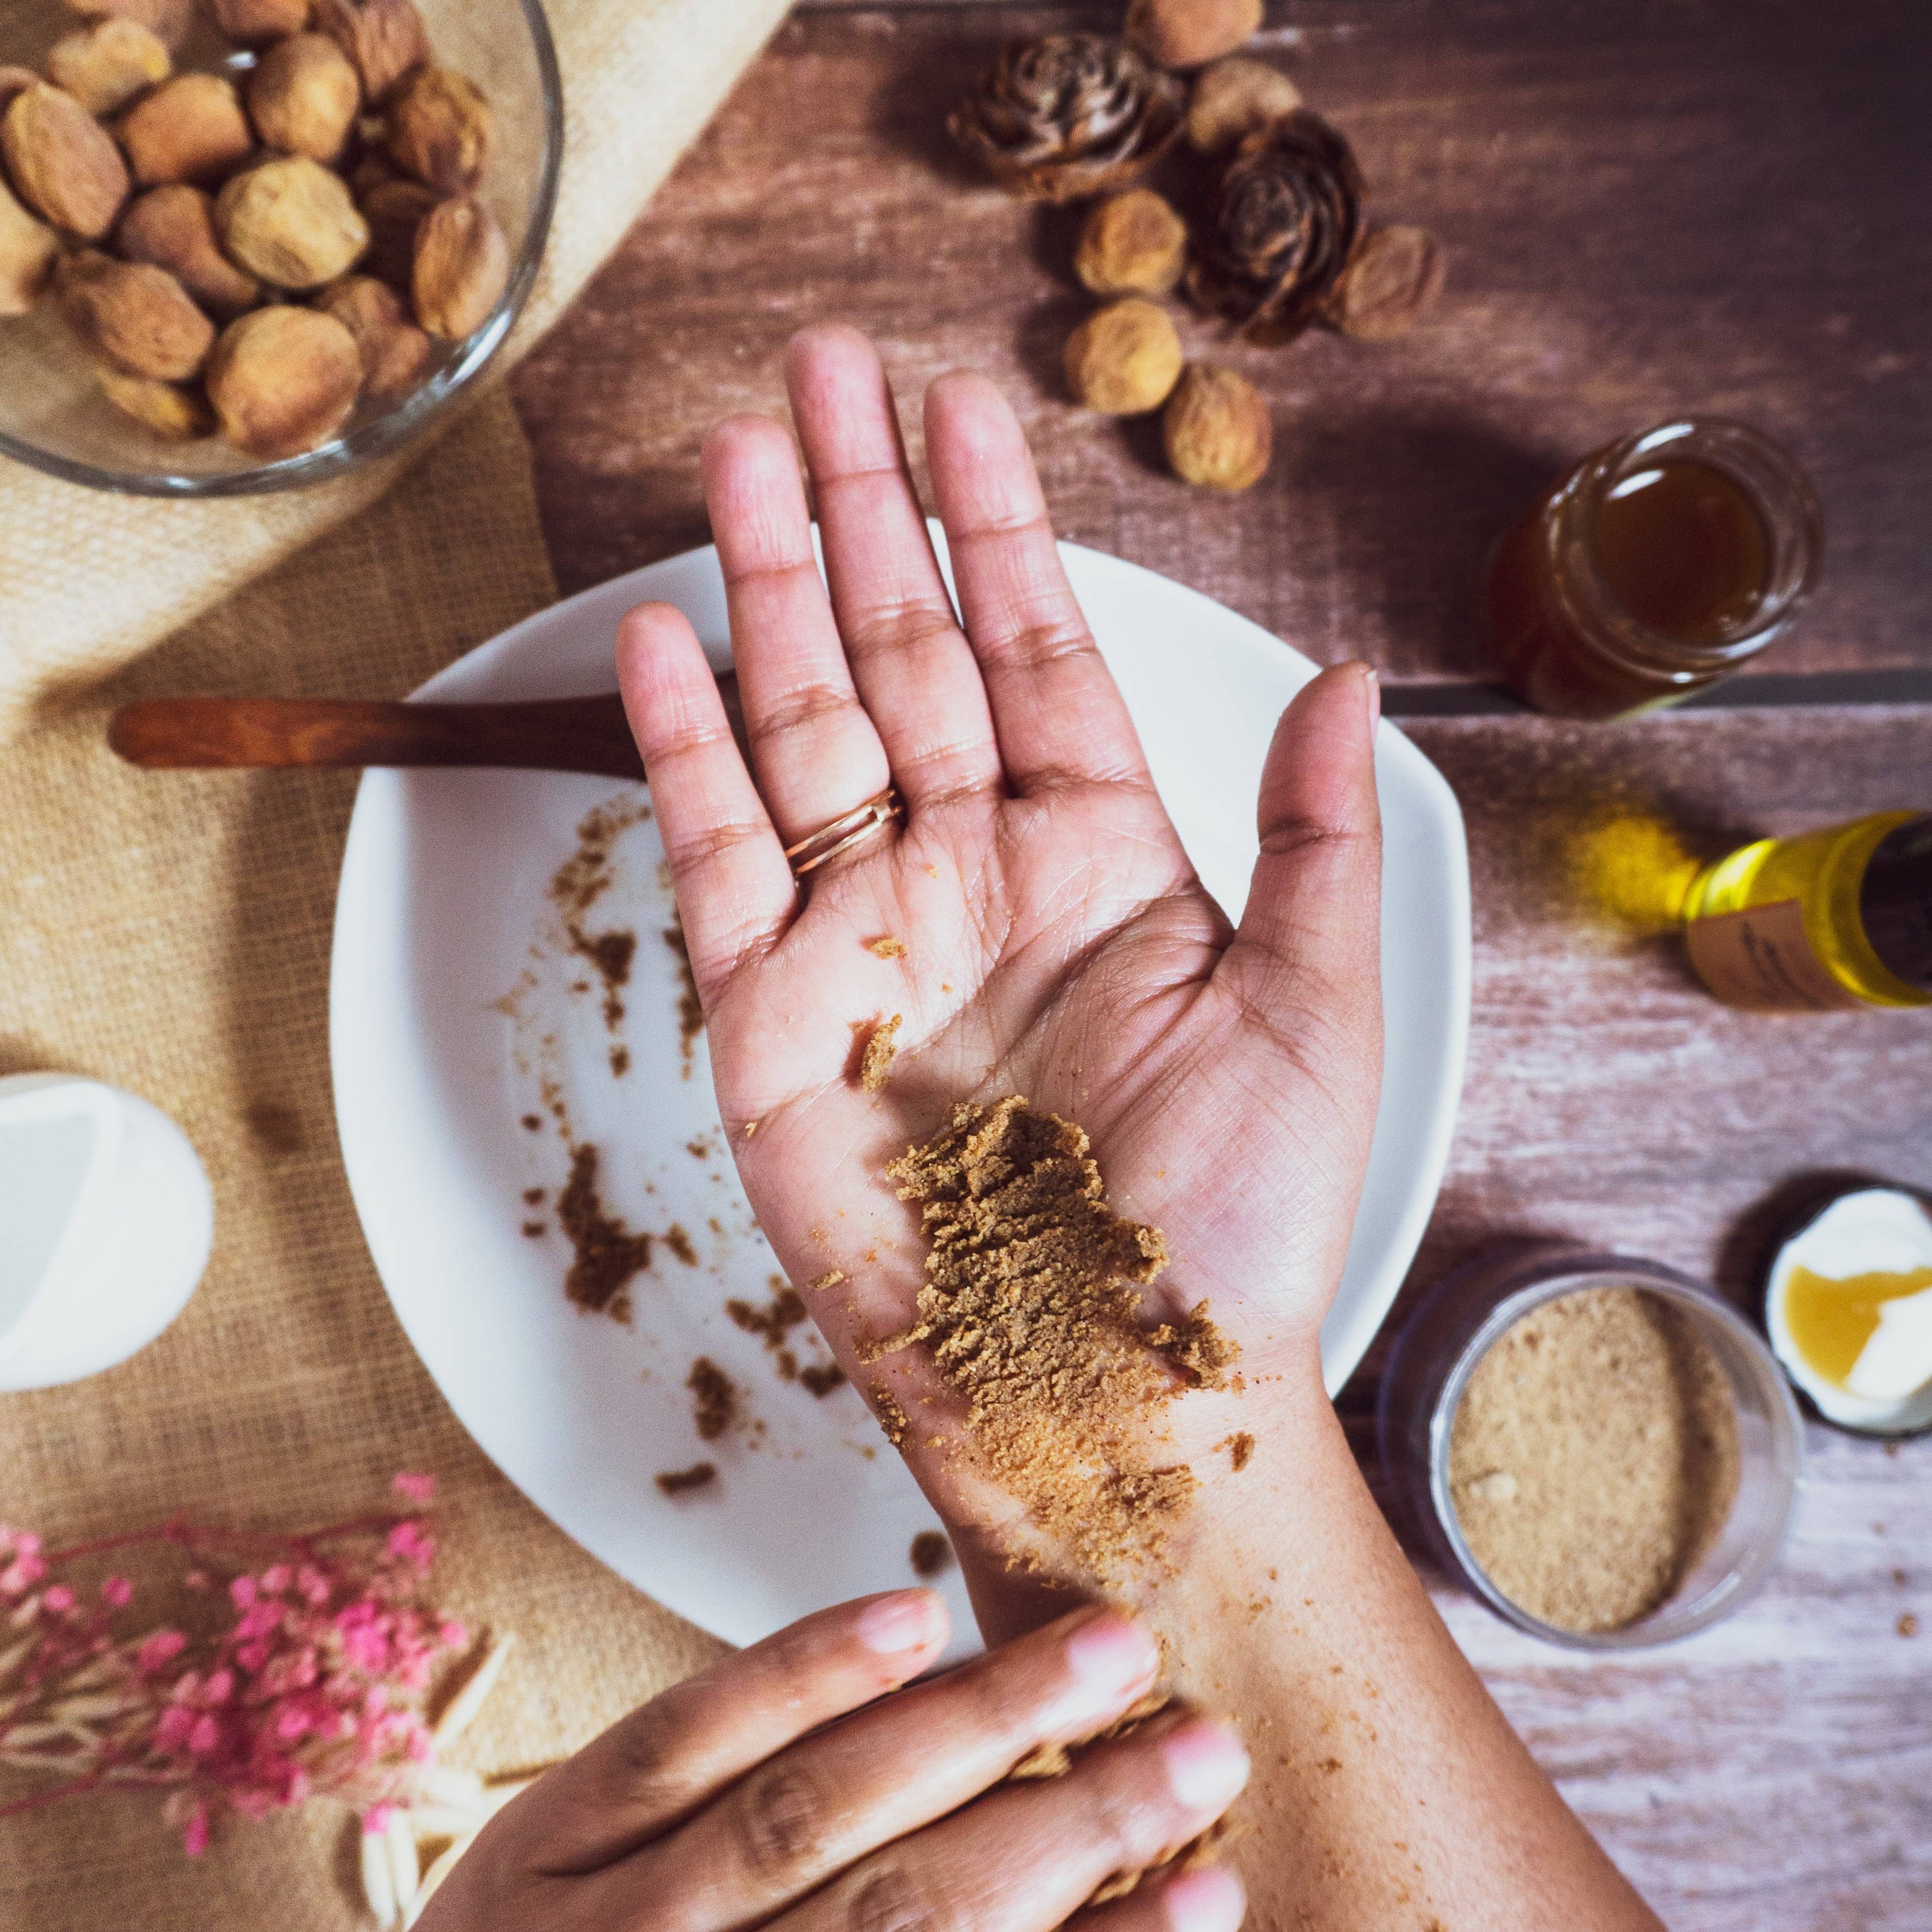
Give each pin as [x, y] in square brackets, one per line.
[87, 581]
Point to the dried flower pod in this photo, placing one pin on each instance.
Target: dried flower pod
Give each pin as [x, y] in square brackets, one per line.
[1124, 359]
[396, 354]
[291, 222]
[171, 410]
[103, 67]
[303, 96]
[1395, 274]
[173, 227]
[253, 23]
[386, 39]
[1068, 116]
[462, 269]
[1132, 244]
[1190, 33]
[28, 249]
[1289, 211]
[1217, 429]
[190, 129]
[394, 211]
[64, 164]
[134, 315]
[168, 20]
[1233, 98]
[440, 129]
[283, 380]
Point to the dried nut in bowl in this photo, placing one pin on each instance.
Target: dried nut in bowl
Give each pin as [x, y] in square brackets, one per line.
[291, 222]
[283, 380]
[28, 250]
[190, 129]
[173, 227]
[462, 269]
[1124, 359]
[395, 210]
[104, 66]
[169, 20]
[396, 354]
[1190, 33]
[250, 22]
[386, 39]
[63, 163]
[133, 315]
[170, 411]
[1233, 98]
[439, 129]
[303, 96]
[1395, 275]
[1133, 244]
[1217, 429]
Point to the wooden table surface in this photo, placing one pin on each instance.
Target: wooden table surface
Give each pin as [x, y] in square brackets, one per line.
[1661, 206]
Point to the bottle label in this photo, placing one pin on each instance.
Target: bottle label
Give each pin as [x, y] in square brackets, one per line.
[1759, 959]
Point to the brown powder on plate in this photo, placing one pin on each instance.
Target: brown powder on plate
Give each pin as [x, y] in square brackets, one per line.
[886, 947]
[608, 1254]
[1030, 1308]
[1241, 1449]
[822, 1378]
[580, 882]
[677, 1482]
[875, 1068]
[714, 1405]
[681, 1245]
[1593, 1457]
[931, 1555]
[892, 1419]
[690, 1008]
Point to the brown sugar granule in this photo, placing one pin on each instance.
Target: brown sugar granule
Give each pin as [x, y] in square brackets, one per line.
[1240, 1449]
[677, 1482]
[714, 1405]
[892, 1419]
[681, 1245]
[533, 1123]
[608, 1254]
[580, 882]
[535, 1197]
[831, 1278]
[931, 1555]
[785, 1311]
[822, 1378]
[1908, 1624]
[1593, 1457]
[690, 1007]
[886, 947]
[533, 1229]
[1029, 1306]
[875, 1069]
[620, 1062]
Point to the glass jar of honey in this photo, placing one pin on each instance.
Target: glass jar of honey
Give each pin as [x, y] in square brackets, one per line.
[1655, 568]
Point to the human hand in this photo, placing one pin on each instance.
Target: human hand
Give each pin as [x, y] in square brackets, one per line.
[784, 1788]
[1058, 943]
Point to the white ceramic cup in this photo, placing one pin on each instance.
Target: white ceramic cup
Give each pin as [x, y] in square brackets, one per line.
[106, 1219]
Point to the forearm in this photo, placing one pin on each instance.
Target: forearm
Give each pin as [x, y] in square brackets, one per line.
[1388, 1790]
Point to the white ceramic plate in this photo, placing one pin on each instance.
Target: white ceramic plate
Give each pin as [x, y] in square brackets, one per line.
[452, 1014]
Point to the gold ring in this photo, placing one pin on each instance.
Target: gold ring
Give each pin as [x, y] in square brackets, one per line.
[842, 834]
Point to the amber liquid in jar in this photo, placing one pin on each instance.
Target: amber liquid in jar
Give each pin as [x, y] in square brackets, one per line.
[1652, 570]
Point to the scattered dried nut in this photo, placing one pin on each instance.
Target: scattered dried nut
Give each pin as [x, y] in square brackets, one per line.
[1125, 359]
[177, 413]
[440, 129]
[386, 39]
[395, 210]
[1396, 273]
[303, 96]
[1134, 243]
[462, 268]
[1233, 98]
[173, 227]
[1217, 429]
[135, 316]
[396, 354]
[168, 20]
[1190, 33]
[190, 129]
[283, 380]
[291, 222]
[103, 67]
[64, 164]
[251, 22]
[28, 250]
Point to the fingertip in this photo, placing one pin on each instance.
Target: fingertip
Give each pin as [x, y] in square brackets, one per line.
[645, 631]
[829, 347]
[906, 1625]
[970, 406]
[1211, 1898]
[746, 437]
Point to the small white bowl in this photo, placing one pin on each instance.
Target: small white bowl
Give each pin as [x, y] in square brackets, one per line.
[106, 1219]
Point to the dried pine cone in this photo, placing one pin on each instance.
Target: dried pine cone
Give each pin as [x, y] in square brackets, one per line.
[1288, 211]
[1069, 115]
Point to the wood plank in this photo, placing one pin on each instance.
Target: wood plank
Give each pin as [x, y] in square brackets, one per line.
[1671, 204]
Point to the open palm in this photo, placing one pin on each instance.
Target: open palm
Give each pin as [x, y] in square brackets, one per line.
[1052, 939]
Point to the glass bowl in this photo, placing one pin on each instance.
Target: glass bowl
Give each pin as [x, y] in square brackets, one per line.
[52, 414]
[1465, 1314]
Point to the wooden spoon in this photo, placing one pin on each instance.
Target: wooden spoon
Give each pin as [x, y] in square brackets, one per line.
[566, 734]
